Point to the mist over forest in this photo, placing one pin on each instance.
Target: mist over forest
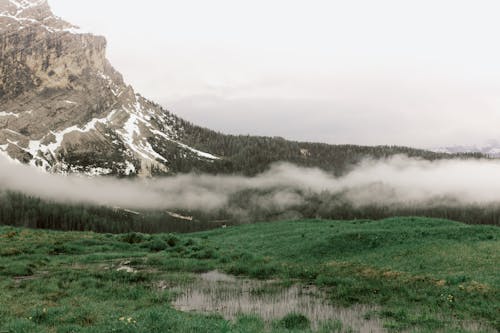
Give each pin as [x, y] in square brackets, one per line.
[465, 190]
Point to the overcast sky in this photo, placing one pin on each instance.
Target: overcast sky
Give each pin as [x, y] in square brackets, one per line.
[424, 73]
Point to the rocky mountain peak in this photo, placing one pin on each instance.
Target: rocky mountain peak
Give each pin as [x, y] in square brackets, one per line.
[34, 9]
[16, 14]
[64, 108]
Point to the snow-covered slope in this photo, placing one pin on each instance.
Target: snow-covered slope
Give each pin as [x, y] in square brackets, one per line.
[64, 108]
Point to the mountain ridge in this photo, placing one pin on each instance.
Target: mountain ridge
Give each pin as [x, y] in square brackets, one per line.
[65, 109]
[49, 64]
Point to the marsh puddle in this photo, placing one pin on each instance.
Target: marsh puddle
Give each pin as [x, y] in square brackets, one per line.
[215, 292]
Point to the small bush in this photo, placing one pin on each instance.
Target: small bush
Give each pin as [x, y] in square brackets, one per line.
[204, 254]
[156, 245]
[60, 248]
[453, 280]
[189, 242]
[133, 238]
[171, 240]
[295, 321]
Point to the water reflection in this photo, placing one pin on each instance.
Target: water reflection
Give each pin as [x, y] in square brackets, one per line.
[230, 296]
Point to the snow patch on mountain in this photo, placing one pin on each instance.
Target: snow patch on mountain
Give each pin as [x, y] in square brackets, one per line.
[22, 13]
[8, 114]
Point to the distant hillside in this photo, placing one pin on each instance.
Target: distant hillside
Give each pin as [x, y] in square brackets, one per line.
[250, 154]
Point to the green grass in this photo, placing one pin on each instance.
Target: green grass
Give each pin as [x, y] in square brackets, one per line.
[425, 275]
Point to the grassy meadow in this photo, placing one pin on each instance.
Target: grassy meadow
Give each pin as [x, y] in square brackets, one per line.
[422, 274]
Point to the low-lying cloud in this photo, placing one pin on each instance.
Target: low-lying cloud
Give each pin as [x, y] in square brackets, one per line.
[396, 180]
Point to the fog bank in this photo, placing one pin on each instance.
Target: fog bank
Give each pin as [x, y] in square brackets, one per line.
[396, 180]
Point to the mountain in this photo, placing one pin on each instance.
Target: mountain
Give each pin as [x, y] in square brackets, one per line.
[490, 149]
[64, 108]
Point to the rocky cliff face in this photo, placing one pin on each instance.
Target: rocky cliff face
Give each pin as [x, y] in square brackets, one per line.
[63, 107]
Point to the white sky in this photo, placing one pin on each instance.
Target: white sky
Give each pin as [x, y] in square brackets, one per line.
[423, 73]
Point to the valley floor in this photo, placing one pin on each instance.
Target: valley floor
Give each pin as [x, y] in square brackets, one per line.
[417, 274]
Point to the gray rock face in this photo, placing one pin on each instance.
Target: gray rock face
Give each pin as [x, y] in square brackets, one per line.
[64, 108]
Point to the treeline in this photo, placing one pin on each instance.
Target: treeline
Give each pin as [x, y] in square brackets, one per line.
[245, 207]
[248, 208]
[250, 155]
[26, 211]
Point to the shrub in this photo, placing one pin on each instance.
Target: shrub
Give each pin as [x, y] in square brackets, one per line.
[295, 321]
[171, 240]
[189, 242]
[60, 248]
[133, 238]
[204, 254]
[156, 245]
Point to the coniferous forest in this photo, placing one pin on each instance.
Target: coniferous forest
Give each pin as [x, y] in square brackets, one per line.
[250, 155]
[26, 211]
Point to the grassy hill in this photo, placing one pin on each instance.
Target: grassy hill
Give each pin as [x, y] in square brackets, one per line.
[424, 275]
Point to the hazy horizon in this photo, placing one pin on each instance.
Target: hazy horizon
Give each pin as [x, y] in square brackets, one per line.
[393, 181]
[423, 74]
